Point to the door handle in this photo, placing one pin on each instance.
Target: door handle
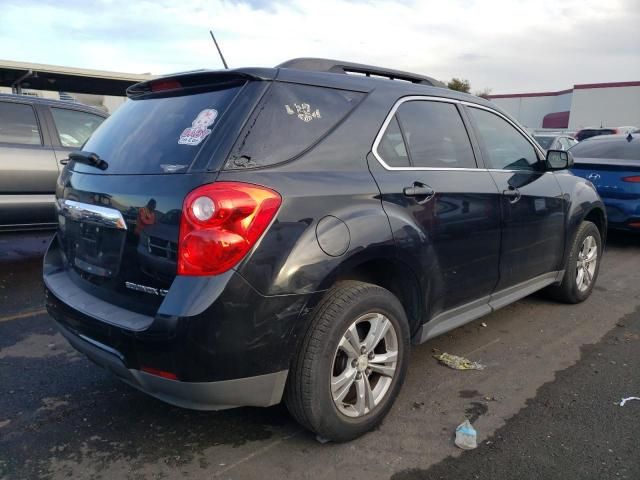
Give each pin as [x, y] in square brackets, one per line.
[418, 190]
[513, 194]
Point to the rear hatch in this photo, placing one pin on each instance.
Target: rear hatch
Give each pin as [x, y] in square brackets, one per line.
[119, 224]
[612, 164]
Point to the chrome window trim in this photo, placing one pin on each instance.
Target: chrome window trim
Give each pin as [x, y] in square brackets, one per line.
[426, 98]
[85, 212]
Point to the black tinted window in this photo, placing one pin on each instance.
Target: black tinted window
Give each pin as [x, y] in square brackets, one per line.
[288, 120]
[392, 148]
[435, 135]
[614, 148]
[157, 135]
[506, 147]
[18, 124]
[74, 127]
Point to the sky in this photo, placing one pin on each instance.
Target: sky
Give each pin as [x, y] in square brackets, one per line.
[505, 46]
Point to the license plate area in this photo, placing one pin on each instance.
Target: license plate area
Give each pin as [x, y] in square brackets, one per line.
[92, 236]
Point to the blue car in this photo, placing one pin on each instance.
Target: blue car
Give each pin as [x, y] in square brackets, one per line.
[612, 164]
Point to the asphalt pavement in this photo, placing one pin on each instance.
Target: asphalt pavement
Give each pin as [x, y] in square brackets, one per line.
[546, 406]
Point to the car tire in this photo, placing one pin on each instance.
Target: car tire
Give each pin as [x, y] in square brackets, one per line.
[332, 389]
[578, 268]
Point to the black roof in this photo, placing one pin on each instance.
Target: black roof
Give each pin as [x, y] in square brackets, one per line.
[328, 73]
[51, 102]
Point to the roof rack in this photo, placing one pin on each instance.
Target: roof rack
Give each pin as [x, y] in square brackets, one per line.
[338, 66]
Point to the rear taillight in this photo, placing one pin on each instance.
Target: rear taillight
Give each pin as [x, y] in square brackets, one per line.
[220, 223]
[632, 179]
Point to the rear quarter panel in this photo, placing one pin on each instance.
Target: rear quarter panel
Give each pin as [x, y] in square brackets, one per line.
[581, 198]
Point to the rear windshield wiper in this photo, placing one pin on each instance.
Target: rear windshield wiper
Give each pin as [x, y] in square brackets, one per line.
[88, 158]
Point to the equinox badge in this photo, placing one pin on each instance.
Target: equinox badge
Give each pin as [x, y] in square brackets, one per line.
[143, 288]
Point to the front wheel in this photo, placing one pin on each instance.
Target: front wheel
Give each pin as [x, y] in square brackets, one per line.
[582, 266]
[352, 362]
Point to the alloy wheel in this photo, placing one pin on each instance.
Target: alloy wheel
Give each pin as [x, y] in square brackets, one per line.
[364, 365]
[586, 263]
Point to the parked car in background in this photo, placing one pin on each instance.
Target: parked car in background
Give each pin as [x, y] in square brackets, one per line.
[585, 133]
[612, 164]
[36, 135]
[555, 141]
[288, 233]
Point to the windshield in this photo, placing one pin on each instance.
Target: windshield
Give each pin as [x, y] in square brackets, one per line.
[157, 135]
[544, 141]
[618, 148]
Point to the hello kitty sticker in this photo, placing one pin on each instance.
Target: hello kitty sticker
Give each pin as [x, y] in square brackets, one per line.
[199, 130]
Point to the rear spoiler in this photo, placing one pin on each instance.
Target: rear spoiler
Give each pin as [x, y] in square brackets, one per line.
[199, 79]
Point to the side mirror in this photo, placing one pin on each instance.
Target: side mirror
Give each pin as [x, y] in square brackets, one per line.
[559, 160]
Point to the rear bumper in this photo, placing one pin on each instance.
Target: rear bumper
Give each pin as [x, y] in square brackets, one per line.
[226, 344]
[258, 391]
[622, 214]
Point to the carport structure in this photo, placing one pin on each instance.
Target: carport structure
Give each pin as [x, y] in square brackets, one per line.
[19, 75]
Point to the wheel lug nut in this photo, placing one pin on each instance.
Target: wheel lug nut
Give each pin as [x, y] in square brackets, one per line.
[371, 355]
[358, 376]
[363, 349]
[354, 363]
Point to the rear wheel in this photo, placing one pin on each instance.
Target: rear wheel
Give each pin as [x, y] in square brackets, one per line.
[582, 266]
[352, 362]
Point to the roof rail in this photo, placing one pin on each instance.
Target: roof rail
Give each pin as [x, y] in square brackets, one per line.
[338, 66]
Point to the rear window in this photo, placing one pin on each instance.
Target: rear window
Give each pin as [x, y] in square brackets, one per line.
[544, 142]
[587, 133]
[74, 127]
[615, 148]
[157, 135]
[289, 119]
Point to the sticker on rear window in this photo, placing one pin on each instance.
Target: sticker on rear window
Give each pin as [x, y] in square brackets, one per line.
[304, 112]
[198, 131]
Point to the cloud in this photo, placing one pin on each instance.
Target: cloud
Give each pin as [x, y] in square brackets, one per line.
[504, 45]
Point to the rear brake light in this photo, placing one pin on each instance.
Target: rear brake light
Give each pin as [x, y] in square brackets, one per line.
[161, 85]
[632, 179]
[220, 223]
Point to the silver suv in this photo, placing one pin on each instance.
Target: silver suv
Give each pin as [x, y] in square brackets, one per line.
[36, 135]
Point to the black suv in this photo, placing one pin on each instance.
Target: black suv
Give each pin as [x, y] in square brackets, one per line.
[240, 237]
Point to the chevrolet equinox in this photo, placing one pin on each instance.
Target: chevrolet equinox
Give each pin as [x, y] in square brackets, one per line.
[241, 237]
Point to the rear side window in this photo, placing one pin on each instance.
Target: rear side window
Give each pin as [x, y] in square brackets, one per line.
[18, 124]
[392, 148]
[289, 119]
[435, 135]
[506, 147]
[614, 148]
[74, 127]
[157, 135]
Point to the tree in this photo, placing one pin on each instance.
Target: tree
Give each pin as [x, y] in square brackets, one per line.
[484, 93]
[460, 85]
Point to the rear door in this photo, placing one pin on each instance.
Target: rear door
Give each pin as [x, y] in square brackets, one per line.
[533, 231]
[28, 168]
[428, 175]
